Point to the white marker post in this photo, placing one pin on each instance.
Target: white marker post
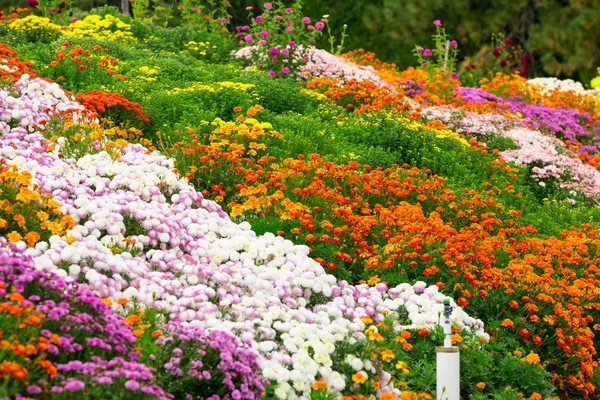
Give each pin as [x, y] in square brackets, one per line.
[448, 362]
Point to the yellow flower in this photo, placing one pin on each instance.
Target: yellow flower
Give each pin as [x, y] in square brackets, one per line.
[367, 320]
[14, 236]
[517, 353]
[456, 338]
[531, 358]
[387, 355]
[107, 301]
[402, 366]
[19, 219]
[359, 378]
[373, 335]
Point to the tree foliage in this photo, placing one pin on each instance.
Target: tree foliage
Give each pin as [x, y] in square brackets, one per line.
[560, 35]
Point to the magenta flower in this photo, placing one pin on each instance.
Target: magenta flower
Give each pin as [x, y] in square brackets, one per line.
[319, 25]
[248, 8]
[285, 52]
[453, 43]
[427, 53]
[288, 10]
[195, 9]
[285, 70]
[271, 73]
[289, 29]
[132, 385]
[274, 60]
[33, 389]
[419, 49]
[268, 6]
[305, 20]
[249, 38]
[258, 19]
[454, 75]
[263, 34]
[278, 18]
[437, 22]
[310, 28]
[273, 51]
[74, 19]
[74, 385]
[262, 42]
[292, 44]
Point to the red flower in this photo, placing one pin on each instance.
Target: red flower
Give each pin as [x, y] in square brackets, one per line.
[462, 301]
[524, 332]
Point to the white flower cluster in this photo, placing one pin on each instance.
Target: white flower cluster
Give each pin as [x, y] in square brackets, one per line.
[321, 63]
[31, 103]
[144, 233]
[562, 85]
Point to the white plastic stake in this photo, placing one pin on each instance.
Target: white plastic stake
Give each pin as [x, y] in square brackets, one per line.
[448, 362]
[448, 373]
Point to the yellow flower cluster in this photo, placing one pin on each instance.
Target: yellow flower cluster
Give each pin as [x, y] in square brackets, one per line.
[199, 48]
[108, 27]
[219, 86]
[33, 23]
[148, 74]
[237, 85]
[26, 214]
[445, 133]
[595, 83]
[316, 95]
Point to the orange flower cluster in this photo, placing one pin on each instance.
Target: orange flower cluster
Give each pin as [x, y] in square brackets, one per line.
[78, 58]
[386, 71]
[438, 87]
[25, 213]
[406, 225]
[100, 102]
[24, 350]
[13, 14]
[358, 96]
[16, 66]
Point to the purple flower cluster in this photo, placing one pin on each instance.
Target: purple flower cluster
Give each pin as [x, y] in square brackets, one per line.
[567, 124]
[547, 155]
[215, 358]
[111, 377]
[83, 323]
